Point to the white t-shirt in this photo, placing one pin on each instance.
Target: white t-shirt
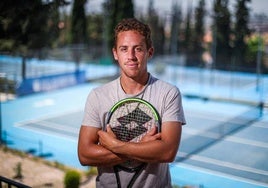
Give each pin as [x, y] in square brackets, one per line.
[165, 97]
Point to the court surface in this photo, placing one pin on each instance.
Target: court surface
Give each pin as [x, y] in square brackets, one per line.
[224, 144]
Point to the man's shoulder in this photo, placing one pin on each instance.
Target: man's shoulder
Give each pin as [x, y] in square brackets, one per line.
[107, 86]
[162, 84]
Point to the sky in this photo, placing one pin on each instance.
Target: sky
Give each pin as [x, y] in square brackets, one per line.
[164, 6]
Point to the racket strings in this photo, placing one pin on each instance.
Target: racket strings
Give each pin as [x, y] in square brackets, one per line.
[133, 121]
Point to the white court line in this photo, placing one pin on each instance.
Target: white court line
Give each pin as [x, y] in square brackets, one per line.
[261, 125]
[47, 131]
[39, 122]
[225, 164]
[246, 141]
[217, 173]
[203, 133]
[49, 116]
[250, 85]
[227, 138]
[221, 118]
[56, 126]
[216, 116]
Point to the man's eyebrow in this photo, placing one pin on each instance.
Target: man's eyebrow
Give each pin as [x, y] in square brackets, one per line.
[124, 46]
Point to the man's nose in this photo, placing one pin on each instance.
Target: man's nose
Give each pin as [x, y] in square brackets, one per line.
[132, 54]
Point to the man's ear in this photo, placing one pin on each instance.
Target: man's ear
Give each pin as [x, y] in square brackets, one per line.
[151, 52]
[115, 54]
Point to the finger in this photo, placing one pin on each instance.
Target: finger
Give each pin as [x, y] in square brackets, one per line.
[152, 131]
[108, 128]
[100, 133]
[157, 136]
[110, 131]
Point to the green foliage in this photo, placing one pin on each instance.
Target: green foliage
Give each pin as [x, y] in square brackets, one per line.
[92, 171]
[115, 11]
[30, 25]
[72, 179]
[157, 29]
[222, 33]
[95, 29]
[254, 45]
[199, 29]
[241, 31]
[6, 85]
[194, 35]
[78, 23]
[175, 20]
[18, 171]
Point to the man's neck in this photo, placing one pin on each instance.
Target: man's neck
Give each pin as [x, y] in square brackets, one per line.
[132, 86]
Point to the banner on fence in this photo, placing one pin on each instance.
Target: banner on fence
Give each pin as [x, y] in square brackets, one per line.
[51, 82]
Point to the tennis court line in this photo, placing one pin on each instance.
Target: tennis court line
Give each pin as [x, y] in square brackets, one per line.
[44, 124]
[42, 127]
[221, 117]
[247, 141]
[203, 133]
[48, 116]
[227, 138]
[216, 116]
[55, 126]
[261, 125]
[224, 164]
[207, 173]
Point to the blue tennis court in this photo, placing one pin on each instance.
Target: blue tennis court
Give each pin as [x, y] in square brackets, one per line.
[224, 144]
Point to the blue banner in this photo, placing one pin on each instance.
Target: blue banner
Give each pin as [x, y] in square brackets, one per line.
[49, 83]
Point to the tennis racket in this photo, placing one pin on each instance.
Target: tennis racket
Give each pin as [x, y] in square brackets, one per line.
[130, 119]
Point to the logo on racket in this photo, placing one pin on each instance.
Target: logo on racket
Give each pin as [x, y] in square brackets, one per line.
[126, 131]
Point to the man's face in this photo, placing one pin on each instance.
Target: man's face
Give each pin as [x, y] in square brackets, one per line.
[132, 54]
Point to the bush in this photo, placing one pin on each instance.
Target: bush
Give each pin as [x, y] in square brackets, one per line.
[92, 171]
[72, 179]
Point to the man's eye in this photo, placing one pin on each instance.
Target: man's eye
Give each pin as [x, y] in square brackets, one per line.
[138, 49]
[123, 49]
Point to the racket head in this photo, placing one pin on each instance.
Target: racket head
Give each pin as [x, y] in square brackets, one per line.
[131, 118]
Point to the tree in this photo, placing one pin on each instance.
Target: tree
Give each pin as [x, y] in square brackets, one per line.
[95, 33]
[188, 31]
[241, 32]
[115, 11]
[157, 29]
[194, 33]
[199, 31]
[187, 39]
[26, 28]
[255, 47]
[175, 25]
[78, 30]
[78, 23]
[222, 33]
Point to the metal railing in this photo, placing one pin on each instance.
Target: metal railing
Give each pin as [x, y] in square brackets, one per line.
[5, 182]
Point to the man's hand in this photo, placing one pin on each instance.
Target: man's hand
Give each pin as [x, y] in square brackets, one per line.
[151, 135]
[108, 139]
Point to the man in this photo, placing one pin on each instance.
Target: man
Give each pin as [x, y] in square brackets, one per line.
[132, 49]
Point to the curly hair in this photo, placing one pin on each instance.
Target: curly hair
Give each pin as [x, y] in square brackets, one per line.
[132, 24]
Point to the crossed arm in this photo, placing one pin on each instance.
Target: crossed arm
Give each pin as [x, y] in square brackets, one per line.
[99, 148]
